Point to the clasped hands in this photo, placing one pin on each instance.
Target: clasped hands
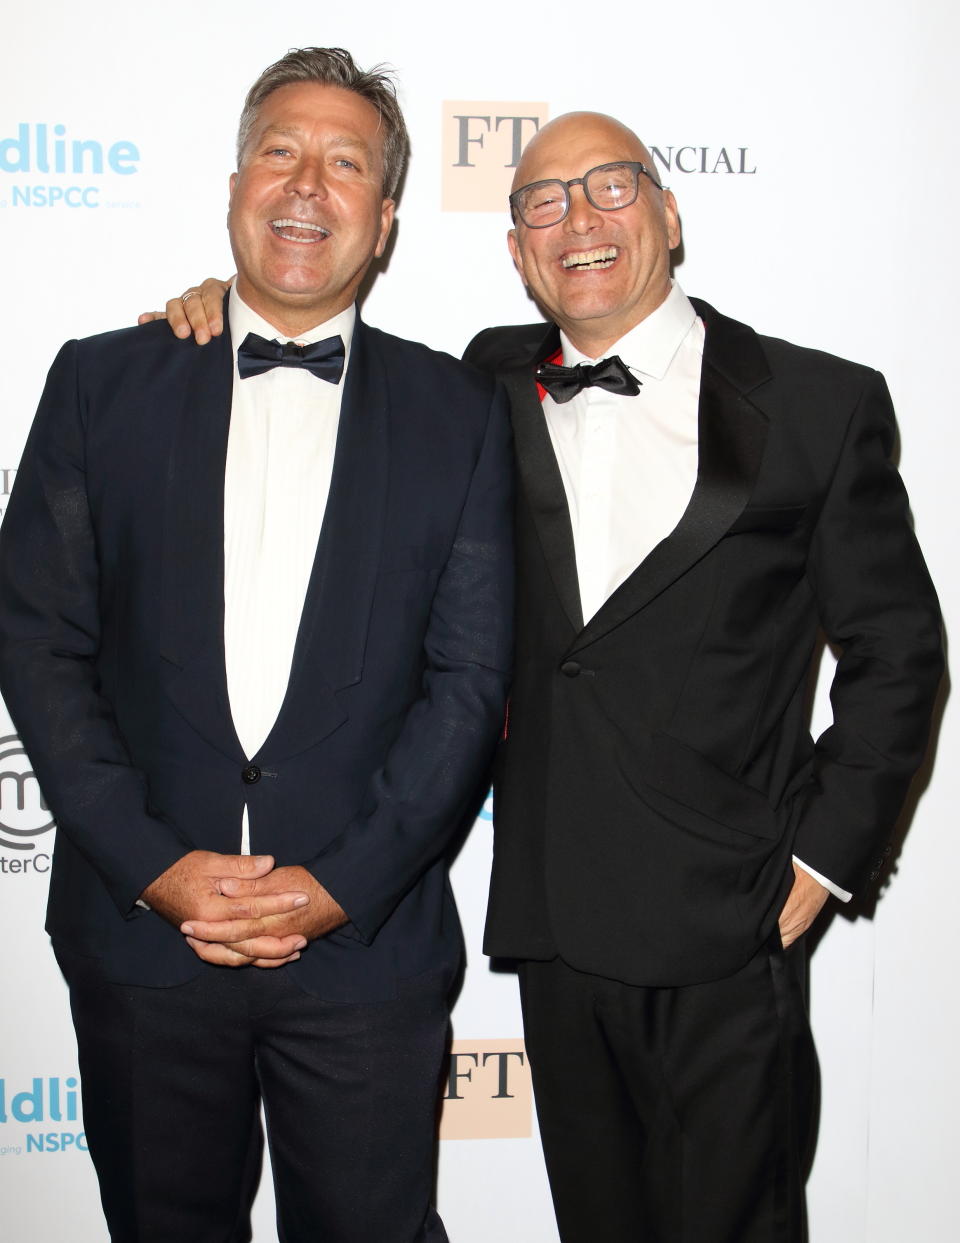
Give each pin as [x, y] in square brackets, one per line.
[241, 910]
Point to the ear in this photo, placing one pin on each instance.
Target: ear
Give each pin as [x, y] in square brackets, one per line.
[516, 253]
[387, 209]
[233, 182]
[672, 216]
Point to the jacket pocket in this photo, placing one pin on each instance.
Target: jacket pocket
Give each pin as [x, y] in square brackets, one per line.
[690, 779]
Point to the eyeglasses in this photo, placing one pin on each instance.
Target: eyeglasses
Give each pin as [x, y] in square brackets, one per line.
[608, 187]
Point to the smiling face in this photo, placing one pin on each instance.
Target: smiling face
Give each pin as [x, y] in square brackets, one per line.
[307, 214]
[597, 274]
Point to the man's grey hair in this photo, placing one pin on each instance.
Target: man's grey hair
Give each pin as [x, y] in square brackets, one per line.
[332, 66]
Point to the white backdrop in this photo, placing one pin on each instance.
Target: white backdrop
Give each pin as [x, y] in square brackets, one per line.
[839, 233]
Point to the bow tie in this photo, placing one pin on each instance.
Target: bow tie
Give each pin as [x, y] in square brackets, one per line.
[563, 383]
[324, 358]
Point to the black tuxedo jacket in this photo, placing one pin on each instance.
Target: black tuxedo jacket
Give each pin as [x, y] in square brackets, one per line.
[657, 771]
[112, 661]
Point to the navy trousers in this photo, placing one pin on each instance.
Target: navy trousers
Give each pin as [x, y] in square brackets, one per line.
[172, 1082]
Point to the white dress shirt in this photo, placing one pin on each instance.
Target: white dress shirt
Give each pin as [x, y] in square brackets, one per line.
[629, 464]
[283, 434]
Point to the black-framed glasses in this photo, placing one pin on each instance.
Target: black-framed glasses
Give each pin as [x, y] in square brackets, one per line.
[608, 187]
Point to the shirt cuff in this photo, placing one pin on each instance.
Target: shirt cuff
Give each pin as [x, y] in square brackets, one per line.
[827, 884]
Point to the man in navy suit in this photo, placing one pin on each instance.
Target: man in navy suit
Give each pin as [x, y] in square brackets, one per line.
[255, 619]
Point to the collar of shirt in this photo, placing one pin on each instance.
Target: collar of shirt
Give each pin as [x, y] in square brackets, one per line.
[244, 319]
[651, 346]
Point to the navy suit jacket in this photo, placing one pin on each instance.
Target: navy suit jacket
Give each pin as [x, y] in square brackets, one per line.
[112, 660]
[658, 769]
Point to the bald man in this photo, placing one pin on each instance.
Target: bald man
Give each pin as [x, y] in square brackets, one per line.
[666, 829]
[695, 502]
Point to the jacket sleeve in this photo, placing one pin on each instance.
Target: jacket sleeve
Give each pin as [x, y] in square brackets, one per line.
[878, 606]
[435, 765]
[49, 641]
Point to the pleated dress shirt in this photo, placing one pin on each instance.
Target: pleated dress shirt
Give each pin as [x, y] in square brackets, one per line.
[283, 435]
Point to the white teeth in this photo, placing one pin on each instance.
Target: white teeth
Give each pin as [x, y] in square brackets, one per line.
[590, 260]
[299, 224]
[304, 226]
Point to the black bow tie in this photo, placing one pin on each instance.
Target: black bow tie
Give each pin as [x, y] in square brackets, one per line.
[323, 358]
[563, 383]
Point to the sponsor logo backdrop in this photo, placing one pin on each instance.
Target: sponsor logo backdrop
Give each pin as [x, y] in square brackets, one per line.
[810, 149]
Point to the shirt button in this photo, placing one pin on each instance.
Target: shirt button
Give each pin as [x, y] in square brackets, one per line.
[570, 669]
[251, 775]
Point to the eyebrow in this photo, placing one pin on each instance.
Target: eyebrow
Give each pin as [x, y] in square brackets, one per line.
[292, 131]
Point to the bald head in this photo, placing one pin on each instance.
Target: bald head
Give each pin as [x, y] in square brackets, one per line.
[596, 273]
[582, 129]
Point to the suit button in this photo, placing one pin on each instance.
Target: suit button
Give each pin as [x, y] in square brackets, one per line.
[251, 775]
[570, 669]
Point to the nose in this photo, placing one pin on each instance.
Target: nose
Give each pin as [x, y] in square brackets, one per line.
[307, 179]
[582, 217]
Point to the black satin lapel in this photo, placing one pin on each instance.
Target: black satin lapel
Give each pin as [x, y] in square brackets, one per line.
[333, 628]
[732, 435]
[192, 574]
[543, 486]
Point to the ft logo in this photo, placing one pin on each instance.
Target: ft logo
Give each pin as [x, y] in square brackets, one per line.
[489, 1093]
[24, 816]
[482, 142]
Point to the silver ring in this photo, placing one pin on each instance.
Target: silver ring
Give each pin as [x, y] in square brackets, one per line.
[191, 293]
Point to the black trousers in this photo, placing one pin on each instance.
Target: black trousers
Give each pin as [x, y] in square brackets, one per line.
[675, 1115]
[172, 1080]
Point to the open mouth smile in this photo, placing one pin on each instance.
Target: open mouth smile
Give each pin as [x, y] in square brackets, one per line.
[299, 231]
[590, 260]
